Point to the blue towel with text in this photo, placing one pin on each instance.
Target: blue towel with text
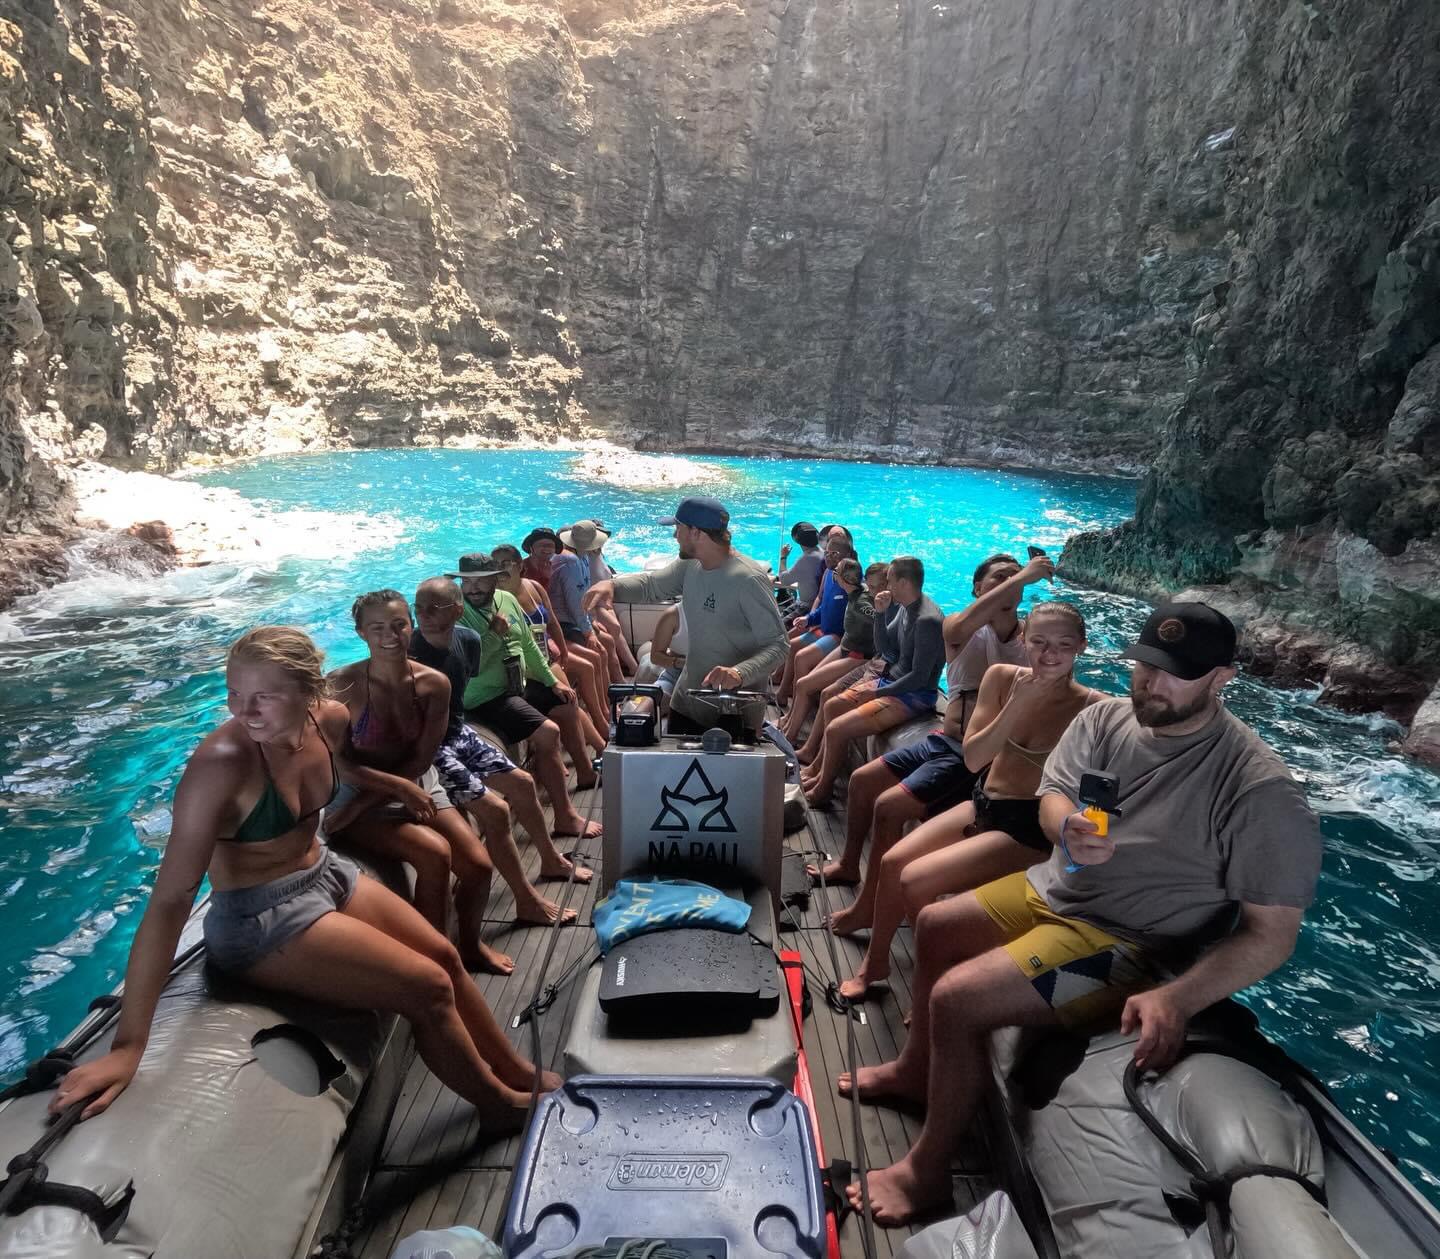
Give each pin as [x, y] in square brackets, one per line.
[640, 905]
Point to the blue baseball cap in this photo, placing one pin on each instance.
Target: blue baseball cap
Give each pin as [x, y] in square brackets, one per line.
[699, 513]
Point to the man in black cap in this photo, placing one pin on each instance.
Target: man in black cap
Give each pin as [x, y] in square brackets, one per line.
[737, 639]
[1196, 892]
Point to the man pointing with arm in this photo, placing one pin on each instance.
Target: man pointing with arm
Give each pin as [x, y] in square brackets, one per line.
[737, 639]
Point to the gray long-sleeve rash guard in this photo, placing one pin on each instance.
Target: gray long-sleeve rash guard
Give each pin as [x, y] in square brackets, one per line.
[919, 633]
[730, 613]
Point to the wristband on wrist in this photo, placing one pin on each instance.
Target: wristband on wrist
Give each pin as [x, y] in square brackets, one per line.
[1071, 865]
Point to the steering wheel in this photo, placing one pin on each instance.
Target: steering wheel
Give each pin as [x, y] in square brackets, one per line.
[719, 692]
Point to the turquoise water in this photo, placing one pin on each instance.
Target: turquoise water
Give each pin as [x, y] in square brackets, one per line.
[107, 682]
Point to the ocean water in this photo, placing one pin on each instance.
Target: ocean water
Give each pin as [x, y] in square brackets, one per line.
[108, 681]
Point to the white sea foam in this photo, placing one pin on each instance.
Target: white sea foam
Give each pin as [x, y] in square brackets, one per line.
[224, 540]
[1399, 794]
[213, 524]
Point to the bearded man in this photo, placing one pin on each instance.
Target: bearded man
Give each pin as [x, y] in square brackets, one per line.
[1197, 891]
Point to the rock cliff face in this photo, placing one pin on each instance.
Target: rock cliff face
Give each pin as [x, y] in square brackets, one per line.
[1303, 466]
[1195, 237]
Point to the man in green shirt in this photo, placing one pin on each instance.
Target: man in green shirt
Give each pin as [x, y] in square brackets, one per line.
[516, 694]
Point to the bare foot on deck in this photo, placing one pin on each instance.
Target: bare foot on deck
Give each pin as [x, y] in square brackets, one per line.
[836, 872]
[481, 958]
[860, 987]
[541, 911]
[847, 921]
[578, 828]
[818, 797]
[559, 869]
[883, 1086]
[505, 1114]
[900, 1193]
[522, 1079]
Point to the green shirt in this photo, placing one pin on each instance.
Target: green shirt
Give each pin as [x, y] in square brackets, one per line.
[517, 644]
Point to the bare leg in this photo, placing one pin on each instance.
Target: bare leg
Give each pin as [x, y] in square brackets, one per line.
[807, 692]
[493, 818]
[518, 788]
[886, 877]
[830, 709]
[550, 770]
[964, 1005]
[866, 785]
[567, 717]
[868, 719]
[910, 881]
[580, 669]
[612, 652]
[893, 810]
[425, 850]
[787, 676]
[807, 658]
[380, 954]
[473, 869]
[962, 867]
[611, 625]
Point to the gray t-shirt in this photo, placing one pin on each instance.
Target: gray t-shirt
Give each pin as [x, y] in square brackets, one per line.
[1210, 819]
[731, 616]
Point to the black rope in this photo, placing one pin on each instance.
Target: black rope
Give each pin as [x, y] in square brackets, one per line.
[1211, 1188]
[28, 1182]
[847, 1010]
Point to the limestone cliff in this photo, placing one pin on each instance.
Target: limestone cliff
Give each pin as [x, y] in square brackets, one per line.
[1192, 237]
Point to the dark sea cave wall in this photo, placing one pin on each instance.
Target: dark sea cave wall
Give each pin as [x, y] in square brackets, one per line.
[1192, 240]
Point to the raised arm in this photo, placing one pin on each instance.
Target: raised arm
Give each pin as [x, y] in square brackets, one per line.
[960, 626]
[887, 616]
[997, 706]
[654, 587]
[199, 812]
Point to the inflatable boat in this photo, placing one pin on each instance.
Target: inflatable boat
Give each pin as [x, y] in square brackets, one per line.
[264, 1128]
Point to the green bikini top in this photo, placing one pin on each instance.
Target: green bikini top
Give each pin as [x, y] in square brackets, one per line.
[271, 817]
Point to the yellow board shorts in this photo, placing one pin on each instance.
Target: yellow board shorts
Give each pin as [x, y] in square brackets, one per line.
[1083, 973]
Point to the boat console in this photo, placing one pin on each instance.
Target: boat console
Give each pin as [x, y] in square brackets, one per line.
[689, 998]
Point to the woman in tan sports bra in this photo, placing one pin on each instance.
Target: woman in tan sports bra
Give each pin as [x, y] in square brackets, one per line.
[1019, 716]
[285, 912]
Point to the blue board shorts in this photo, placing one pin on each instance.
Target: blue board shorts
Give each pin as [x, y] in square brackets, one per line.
[815, 637]
[465, 761]
[933, 771]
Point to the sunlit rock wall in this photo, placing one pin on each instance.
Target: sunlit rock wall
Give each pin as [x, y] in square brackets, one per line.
[1195, 240]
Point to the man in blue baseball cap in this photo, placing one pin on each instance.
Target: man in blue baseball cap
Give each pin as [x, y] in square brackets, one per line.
[737, 638]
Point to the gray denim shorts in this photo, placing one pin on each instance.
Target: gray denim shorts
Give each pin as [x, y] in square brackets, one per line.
[243, 925]
[429, 781]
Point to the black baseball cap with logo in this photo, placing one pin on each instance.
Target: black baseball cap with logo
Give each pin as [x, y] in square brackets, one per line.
[1185, 639]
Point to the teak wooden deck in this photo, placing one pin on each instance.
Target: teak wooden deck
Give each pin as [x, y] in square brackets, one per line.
[431, 1125]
